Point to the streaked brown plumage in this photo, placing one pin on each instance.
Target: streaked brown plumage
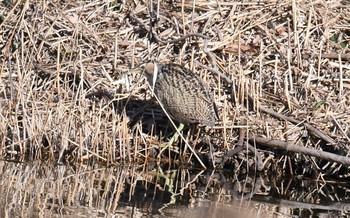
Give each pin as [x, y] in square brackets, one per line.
[182, 93]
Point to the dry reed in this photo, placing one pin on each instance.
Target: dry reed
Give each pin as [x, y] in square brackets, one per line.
[67, 93]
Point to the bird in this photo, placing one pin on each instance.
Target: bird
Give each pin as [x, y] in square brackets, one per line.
[182, 93]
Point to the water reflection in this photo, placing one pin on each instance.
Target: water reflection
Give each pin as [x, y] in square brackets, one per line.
[44, 190]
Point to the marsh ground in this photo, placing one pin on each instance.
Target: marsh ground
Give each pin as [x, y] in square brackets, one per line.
[68, 95]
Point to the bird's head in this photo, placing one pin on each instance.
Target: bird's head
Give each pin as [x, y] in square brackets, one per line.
[151, 72]
[149, 68]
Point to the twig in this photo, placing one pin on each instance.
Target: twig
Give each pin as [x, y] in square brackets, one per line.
[205, 49]
[161, 41]
[179, 39]
[345, 57]
[299, 149]
[309, 127]
[239, 148]
[322, 206]
[210, 56]
[215, 71]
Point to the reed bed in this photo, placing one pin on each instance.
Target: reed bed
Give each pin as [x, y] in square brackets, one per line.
[68, 95]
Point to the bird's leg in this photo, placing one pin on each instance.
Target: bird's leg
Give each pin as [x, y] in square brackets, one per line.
[174, 138]
[176, 135]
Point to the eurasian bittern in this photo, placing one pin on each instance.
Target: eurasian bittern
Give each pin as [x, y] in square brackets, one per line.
[182, 94]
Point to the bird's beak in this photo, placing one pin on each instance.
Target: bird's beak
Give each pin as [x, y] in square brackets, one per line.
[152, 78]
[155, 75]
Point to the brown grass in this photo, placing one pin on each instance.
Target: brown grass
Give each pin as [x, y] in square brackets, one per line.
[62, 62]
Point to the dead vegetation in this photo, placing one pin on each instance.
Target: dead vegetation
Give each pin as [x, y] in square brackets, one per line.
[67, 93]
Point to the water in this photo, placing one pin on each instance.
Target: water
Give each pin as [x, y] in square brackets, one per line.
[41, 189]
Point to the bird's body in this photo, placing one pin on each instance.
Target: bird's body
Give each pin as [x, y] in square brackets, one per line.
[182, 93]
